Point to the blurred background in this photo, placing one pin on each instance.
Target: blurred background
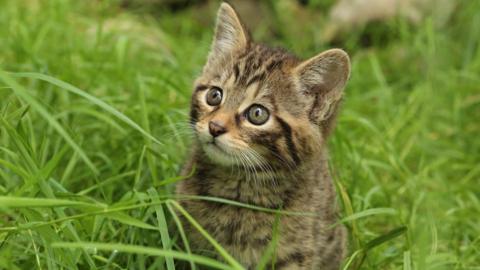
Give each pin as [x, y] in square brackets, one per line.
[94, 99]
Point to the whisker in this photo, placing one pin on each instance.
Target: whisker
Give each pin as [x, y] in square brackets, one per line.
[282, 161]
[264, 165]
[253, 168]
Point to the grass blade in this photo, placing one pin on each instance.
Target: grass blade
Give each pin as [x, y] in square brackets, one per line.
[22, 202]
[144, 250]
[23, 93]
[207, 236]
[407, 260]
[128, 220]
[270, 252]
[369, 212]
[386, 237]
[102, 104]
[179, 224]
[162, 227]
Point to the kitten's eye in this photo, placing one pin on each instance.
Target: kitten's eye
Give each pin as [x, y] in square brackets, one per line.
[257, 114]
[214, 96]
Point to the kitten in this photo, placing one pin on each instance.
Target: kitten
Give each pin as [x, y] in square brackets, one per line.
[261, 117]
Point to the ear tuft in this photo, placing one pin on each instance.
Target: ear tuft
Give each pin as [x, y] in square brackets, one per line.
[230, 35]
[323, 77]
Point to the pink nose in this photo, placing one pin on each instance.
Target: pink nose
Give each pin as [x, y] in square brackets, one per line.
[216, 129]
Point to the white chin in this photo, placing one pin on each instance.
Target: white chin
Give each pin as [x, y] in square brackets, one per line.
[218, 155]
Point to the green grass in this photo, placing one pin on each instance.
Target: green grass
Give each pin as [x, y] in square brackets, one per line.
[93, 106]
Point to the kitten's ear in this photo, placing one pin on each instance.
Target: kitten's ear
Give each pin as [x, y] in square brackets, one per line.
[230, 35]
[323, 77]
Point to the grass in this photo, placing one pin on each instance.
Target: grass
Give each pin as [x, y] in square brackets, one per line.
[92, 101]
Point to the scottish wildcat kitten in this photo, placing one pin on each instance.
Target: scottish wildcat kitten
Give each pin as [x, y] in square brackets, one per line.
[261, 117]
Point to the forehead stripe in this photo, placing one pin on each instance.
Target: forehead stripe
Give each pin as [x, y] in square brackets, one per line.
[200, 87]
[194, 113]
[236, 72]
[256, 78]
[287, 132]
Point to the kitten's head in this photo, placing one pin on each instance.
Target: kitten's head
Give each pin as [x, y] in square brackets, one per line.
[256, 106]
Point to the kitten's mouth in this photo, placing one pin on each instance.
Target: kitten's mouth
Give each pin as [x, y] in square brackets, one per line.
[221, 156]
[218, 154]
[212, 144]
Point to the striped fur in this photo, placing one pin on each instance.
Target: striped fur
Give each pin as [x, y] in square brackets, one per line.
[282, 164]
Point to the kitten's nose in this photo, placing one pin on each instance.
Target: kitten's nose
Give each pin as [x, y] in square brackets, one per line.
[216, 129]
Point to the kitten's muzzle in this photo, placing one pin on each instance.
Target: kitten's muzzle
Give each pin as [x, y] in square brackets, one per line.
[216, 128]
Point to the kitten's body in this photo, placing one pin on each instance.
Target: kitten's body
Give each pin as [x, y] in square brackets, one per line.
[278, 164]
[305, 242]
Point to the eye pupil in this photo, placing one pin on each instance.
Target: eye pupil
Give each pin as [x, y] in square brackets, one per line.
[214, 96]
[257, 114]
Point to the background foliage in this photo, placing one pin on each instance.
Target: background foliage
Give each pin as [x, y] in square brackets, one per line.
[93, 104]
